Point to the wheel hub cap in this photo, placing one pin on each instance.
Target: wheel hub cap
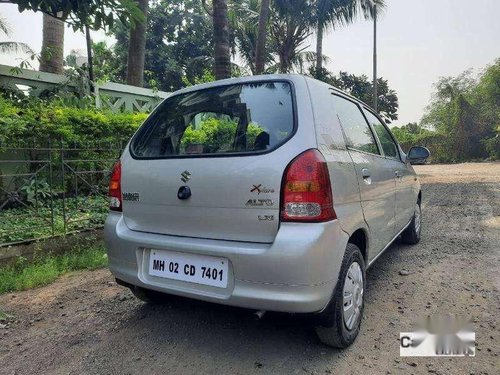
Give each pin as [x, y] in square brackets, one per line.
[353, 295]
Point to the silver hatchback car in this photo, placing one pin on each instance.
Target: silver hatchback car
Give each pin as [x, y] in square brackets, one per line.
[269, 192]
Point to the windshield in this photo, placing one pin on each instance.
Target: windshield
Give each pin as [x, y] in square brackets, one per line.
[243, 118]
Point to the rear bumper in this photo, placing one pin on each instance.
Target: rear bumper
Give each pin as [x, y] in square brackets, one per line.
[296, 273]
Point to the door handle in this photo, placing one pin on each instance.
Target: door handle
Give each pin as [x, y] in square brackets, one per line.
[366, 174]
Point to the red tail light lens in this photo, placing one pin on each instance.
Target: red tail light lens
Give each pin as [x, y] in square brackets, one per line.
[306, 189]
[115, 188]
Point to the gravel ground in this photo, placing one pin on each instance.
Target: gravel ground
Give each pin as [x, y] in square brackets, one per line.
[85, 323]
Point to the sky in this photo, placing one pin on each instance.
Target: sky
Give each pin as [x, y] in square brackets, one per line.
[418, 42]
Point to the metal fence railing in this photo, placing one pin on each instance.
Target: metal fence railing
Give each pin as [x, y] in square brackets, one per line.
[51, 188]
[108, 95]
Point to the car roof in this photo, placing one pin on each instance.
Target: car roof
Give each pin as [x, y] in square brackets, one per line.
[267, 77]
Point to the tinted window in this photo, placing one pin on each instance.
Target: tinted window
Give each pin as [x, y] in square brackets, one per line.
[357, 132]
[229, 119]
[388, 145]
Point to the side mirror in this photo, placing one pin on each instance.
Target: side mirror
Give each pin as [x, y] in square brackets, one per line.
[418, 155]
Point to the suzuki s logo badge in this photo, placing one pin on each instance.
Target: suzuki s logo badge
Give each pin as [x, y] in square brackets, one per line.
[185, 176]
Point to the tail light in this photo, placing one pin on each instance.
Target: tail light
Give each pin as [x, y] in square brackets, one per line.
[306, 189]
[115, 188]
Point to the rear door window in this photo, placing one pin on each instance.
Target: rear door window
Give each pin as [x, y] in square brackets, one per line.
[386, 141]
[356, 130]
[235, 119]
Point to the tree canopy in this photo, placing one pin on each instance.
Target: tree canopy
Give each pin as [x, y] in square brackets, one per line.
[96, 14]
[462, 121]
[362, 88]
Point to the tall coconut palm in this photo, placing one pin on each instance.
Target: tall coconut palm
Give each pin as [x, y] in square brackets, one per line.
[335, 13]
[291, 23]
[244, 23]
[222, 47]
[52, 55]
[137, 48]
[260, 49]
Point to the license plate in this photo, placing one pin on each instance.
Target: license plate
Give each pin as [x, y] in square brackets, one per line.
[193, 268]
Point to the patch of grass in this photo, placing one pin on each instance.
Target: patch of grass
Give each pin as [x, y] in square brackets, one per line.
[4, 317]
[44, 269]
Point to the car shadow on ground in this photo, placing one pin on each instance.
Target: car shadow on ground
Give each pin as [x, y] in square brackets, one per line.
[225, 330]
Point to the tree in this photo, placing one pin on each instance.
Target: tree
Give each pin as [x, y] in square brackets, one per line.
[222, 48]
[52, 55]
[106, 64]
[260, 49]
[93, 13]
[11, 46]
[455, 112]
[179, 46]
[137, 48]
[80, 14]
[361, 88]
[334, 13]
[487, 99]
[290, 25]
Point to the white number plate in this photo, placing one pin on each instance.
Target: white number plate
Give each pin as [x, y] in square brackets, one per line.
[200, 269]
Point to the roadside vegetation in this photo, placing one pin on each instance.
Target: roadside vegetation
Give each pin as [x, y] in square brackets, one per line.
[462, 121]
[37, 199]
[61, 116]
[44, 268]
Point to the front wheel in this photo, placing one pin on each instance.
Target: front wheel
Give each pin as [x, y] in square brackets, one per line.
[341, 320]
[411, 235]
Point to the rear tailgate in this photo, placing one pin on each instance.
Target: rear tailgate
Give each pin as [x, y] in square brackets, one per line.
[230, 146]
[231, 198]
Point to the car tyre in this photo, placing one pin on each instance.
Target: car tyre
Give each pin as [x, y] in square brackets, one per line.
[338, 326]
[412, 234]
[149, 296]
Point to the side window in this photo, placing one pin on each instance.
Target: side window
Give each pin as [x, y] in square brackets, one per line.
[356, 130]
[388, 145]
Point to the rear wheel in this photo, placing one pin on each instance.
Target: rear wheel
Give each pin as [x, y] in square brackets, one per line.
[411, 235]
[340, 322]
[149, 296]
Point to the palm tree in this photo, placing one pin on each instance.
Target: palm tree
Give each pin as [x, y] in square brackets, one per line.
[244, 22]
[222, 47]
[6, 47]
[334, 13]
[292, 22]
[260, 49]
[137, 48]
[52, 55]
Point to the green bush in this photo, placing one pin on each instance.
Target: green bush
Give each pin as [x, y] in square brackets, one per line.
[32, 118]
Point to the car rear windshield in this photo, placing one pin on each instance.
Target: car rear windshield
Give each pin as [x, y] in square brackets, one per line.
[235, 119]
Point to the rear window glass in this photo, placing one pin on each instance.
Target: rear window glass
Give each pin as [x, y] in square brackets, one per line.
[244, 118]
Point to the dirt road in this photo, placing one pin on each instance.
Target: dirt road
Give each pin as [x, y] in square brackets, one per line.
[85, 323]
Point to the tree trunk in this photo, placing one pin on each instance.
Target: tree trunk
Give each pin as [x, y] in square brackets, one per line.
[260, 50]
[52, 55]
[221, 40]
[319, 49]
[137, 49]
